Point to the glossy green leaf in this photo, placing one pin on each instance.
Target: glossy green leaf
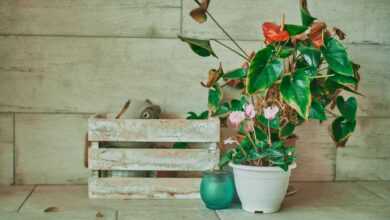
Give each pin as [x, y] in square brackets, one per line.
[293, 29]
[311, 55]
[235, 74]
[274, 123]
[347, 108]
[332, 85]
[295, 91]
[341, 129]
[263, 71]
[236, 105]
[215, 97]
[200, 47]
[222, 111]
[226, 158]
[255, 155]
[342, 80]
[307, 19]
[317, 111]
[336, 56]
[285, 52]
[260, 134]
[287, 130]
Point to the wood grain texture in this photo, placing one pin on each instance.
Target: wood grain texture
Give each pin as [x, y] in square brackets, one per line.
[144, 188]
[368, 155]
[6, 149]
[243, 19]
[99, 75]
[90, 75]
[49, 149]
[153, 159]
[154, 130]
[121, 18]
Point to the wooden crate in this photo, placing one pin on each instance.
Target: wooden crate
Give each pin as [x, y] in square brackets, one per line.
[205, 133]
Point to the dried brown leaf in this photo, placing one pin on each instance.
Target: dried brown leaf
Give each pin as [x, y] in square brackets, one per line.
[340, 34]
[199, 14]
[213, 77]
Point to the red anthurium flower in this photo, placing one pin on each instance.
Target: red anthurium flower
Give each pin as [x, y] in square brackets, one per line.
[274, 33]
[317, 32]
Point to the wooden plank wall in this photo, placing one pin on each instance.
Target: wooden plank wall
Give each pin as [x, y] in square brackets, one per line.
[61, 61]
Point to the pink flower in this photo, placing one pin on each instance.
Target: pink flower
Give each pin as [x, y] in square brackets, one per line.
[270, 112]
[235, 118]
[250, 111]
[230, 140]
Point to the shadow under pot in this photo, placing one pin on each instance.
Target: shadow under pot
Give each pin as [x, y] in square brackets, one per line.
[217, 189]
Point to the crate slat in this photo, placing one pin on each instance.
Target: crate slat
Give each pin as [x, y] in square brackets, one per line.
[153, 159]
[144, 188]
[158, 130]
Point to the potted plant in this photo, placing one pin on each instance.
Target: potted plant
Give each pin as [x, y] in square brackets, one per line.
[298, 76]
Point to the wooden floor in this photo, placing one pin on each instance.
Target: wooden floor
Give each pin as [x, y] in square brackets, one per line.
[319, 201]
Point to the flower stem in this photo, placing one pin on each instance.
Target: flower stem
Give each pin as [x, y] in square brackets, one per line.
[269, 133]
[231, 49]
[223, 30]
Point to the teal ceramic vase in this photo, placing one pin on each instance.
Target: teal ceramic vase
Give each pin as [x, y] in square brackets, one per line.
[217, 189]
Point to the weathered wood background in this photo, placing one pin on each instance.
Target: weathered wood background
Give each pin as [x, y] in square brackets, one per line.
[61, 61]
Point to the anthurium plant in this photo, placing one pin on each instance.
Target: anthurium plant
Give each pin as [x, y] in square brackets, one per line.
[298, 76]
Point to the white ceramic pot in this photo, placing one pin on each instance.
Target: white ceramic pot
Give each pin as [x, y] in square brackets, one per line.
[261, 189]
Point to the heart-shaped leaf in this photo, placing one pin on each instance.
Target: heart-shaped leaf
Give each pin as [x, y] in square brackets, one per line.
[295, 90]
[263, 71]
[341, 130]
[317, 111]
[293, 29]
[274, 123]
[235, 74]
[285, 52]
[343, 80]
[337, 57]
[347, 108]
[236, 105]
[332, 85]
[199, 14]
[287, 130]
[200, 47]
[307, 19]
[215, 97]
[222, 111]
[311, 55]
[261, 135]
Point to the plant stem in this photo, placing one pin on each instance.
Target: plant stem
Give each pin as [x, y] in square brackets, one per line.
[223, 30]
[330, 112]
[322, 76]
[231, 49]
[269, 133]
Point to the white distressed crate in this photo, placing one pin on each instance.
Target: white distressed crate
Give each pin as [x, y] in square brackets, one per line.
[205, 133]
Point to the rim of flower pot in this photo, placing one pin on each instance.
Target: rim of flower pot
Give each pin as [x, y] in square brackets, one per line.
[216, 172]
[259, 168]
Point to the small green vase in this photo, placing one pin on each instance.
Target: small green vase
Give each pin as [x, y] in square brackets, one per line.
[217, 189]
